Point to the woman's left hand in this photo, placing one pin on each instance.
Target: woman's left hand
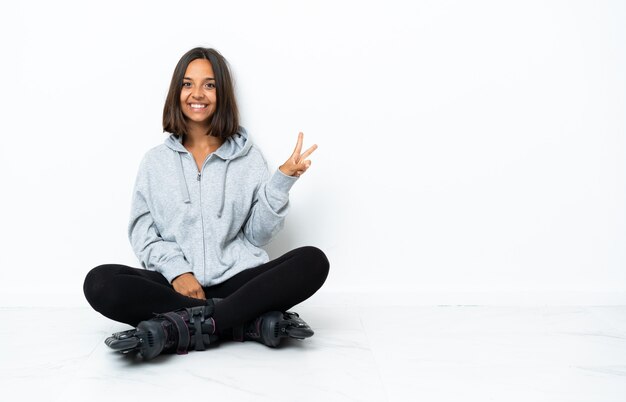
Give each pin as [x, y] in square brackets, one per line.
[298, 163]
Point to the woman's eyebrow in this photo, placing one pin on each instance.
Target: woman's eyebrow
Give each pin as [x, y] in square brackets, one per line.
[206, 79]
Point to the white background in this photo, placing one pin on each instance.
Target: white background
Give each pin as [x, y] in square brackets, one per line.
[465, 147]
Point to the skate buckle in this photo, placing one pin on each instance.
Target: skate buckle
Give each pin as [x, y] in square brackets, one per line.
[196, 313]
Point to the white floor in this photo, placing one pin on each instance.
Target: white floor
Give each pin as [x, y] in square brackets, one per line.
[358, 353]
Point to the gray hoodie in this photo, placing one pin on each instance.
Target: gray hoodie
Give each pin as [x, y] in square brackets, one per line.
[210, 222]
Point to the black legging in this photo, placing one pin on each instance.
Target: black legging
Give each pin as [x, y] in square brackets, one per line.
[131, 295]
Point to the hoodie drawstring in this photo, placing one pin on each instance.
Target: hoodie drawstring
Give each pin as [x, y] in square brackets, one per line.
[183, 182]
[219, 212]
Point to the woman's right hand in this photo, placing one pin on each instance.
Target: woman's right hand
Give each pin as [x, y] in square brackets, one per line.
[187, 285]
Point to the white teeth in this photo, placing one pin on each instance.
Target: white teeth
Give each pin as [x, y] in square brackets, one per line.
[197, 105]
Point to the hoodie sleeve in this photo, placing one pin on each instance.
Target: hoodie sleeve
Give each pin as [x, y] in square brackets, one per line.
[154, 253]
[269, 209]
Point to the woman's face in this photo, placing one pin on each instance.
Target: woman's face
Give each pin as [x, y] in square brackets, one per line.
[198, 95]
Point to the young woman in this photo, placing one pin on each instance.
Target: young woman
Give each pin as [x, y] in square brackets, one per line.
[203, 205]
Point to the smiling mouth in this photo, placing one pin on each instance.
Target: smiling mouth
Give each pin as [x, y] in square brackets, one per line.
[198, 106]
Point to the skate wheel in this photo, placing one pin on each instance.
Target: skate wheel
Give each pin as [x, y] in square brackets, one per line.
[124, 344]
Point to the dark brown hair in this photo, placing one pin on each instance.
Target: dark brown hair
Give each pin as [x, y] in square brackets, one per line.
[225, 120]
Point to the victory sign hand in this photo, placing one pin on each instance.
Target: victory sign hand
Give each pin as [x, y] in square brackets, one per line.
[298, 163]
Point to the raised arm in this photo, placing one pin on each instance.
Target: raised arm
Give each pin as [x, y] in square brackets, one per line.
[271, 201]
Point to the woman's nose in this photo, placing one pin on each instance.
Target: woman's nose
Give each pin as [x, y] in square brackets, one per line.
[197, 93]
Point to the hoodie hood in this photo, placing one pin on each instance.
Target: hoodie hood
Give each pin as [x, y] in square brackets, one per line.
[234, 147]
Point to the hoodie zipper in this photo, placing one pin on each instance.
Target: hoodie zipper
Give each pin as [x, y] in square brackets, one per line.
[202, 221]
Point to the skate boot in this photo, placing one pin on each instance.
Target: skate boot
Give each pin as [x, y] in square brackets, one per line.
[180, 331]
[271, 327]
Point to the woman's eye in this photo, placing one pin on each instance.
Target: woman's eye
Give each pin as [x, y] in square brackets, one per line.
[186, 84]
[210, 85]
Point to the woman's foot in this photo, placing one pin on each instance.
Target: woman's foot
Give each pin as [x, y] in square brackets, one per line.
[273, 326]
[180, 331]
